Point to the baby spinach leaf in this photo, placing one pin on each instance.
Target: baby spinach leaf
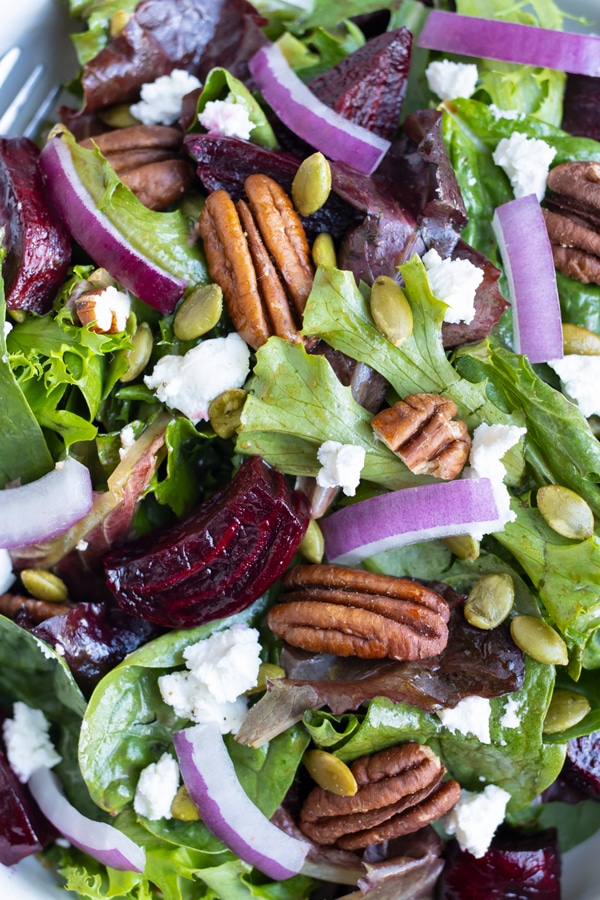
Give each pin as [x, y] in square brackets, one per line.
[218, 85]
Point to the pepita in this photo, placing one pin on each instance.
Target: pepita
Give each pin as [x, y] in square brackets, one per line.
[117, 116]
[330, 773]
[312, 184]
[312, 546]
[225, 412]
[183, 807]
[577, 339]
[539, 640]
[567, 708]
[463, 546]
[391, 310]
[266, 671]
[199, 312]
[323, 250]
[565, 512]
[490, 601]
[118, 22]
[139, 355]
[44, 585]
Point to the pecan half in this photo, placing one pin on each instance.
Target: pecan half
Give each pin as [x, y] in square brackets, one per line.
[36, 610]
[573, 219]
[400, 790]
[148, 159]
[421, 430]
[258, 253]
[350, 612]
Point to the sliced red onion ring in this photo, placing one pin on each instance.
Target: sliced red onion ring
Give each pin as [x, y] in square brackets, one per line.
[227, 810]
[403, 517]
[511, 42]
[99, 237]
[527, 256]
[45, 508]
[106, 844]
[312, 120]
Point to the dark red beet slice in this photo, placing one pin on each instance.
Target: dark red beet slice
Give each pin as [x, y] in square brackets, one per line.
[582, 765]
[38, 245]
[216, 562]
[369, 85]
[23, 830]
[527, 868]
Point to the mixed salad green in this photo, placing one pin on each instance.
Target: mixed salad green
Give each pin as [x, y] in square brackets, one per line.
[63, 392]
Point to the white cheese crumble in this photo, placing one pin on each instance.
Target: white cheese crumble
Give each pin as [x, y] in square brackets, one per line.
[7, 576]
[504, 113]
[127, 438]
[454, 282]
[450, 79]
[219, 669]
[226, 117]
[510, 717]
[111, 304]
[156, 789]
[579, 376]
[470, 716]
[7, 328]
[341, 465]
[28, 744]
[160, 102]
[476, 817]
[189, 383]
[526, 162]
[82, 545]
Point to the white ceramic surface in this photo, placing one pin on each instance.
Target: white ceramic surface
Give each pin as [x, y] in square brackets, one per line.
[46, 23]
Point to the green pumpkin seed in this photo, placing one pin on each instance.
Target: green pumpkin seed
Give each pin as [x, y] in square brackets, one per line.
[44, 585]
[323, 250]
[463, 546]
[577, 339]
[330, 773]
[117, 116]
[118, 22]
[490, 601]
[199, 312]
[139, 355]
[266, 671]
[183, 807]
[566, 709]
[391, 310]
[312, 546]
[565, 512]
[101, 278]
[225, 412]
[19, 315]
[312, 184]
[539, 640]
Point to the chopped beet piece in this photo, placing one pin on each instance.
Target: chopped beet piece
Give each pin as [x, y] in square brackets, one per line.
[23, 830]
[38, 244]
[582, 106]
[368, 86]
[216, 562]
[527, 868]
[582, 765]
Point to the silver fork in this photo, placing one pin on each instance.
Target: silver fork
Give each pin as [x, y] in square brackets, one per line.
[36, 58]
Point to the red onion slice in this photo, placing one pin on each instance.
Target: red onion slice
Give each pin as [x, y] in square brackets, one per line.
[106, 844]
[99, 237]
[527, 256]
[511, 42]
[45, 508]
[312, 120]
[227, 810]
[414, 514]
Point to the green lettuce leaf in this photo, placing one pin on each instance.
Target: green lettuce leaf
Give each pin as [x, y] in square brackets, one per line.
[98, 13]
[219, 83]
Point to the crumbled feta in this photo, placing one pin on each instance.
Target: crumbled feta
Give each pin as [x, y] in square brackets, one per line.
[127, 438]
[219, 669]
[510, 717]
[156, 789]
[450, 79]
[160, 102]
[454, 282]
[341, 465]
[476, 817]
[226, 117]
[82, 545]
[504, 113]
[7, 328]
[190, 382]
[7, 576]
[28, 744]
[579, 376]
[526, 162]
[490, 444]
[470, 716]
[111, 304]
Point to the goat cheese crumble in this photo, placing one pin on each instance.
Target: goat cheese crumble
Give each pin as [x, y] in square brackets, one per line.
[579, 376]
[7, 576]
[490, 444]
[27, 740]
[526, 162]
[189, 383]
[341, 465]
[510, 717]
[226, 117]
[450, 79]
[475, 818]
[111, 305]
[156, 789]
[470, 716]
[454, 282]
[160, 102]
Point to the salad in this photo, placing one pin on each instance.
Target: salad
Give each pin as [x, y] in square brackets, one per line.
[299, 590]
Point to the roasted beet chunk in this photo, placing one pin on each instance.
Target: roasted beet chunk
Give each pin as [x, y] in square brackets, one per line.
[582, 765]
[514, 868]
[218, 560]
[23, 830]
